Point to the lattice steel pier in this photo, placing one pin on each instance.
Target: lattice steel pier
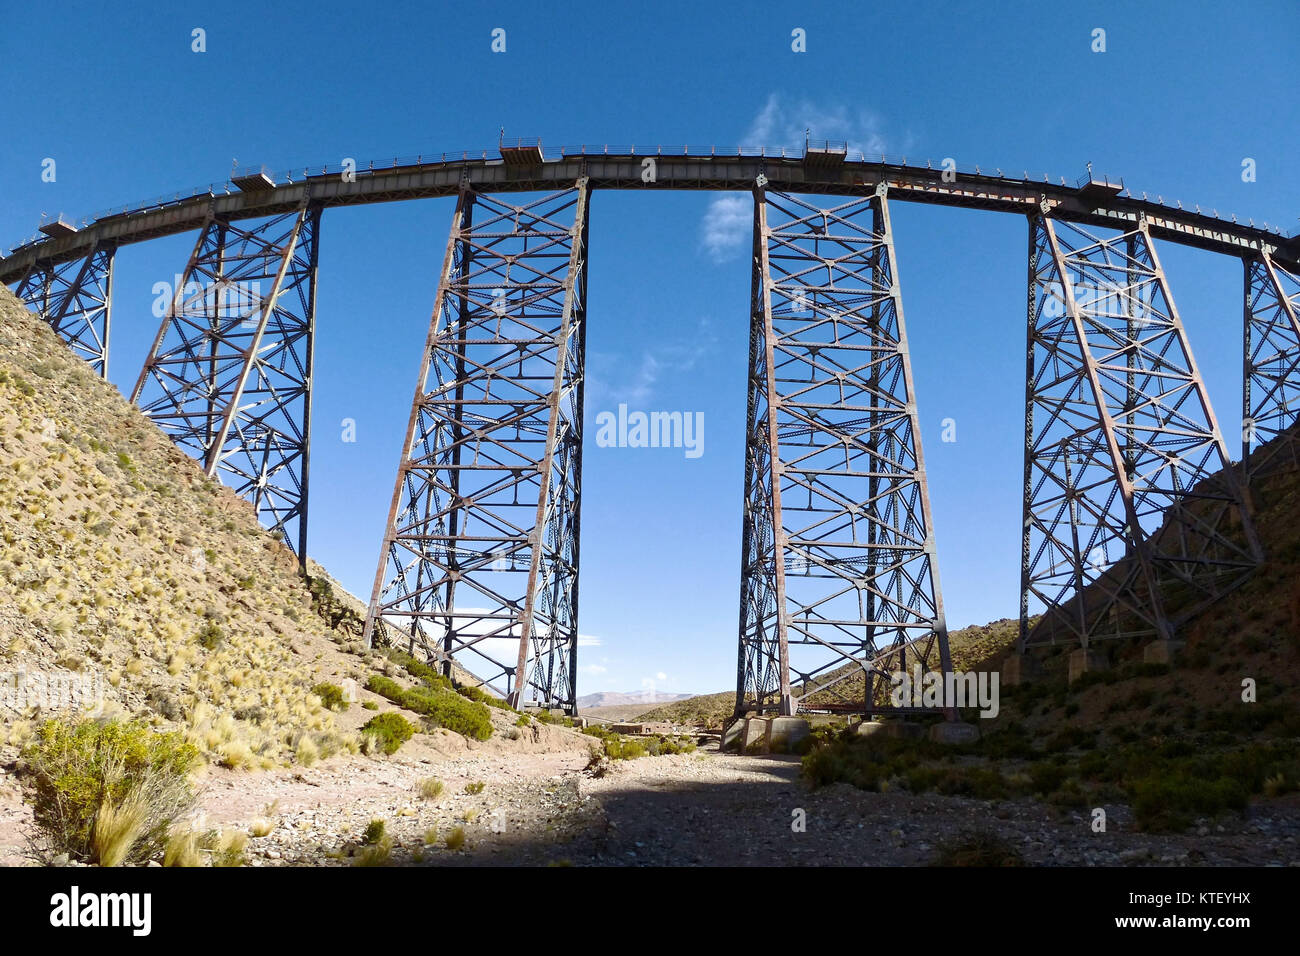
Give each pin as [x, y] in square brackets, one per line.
[1133, 519]
[480, 558]
[839, 581]
[229, 374]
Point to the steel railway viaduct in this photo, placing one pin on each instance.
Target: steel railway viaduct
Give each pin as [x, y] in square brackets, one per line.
[1134, 517]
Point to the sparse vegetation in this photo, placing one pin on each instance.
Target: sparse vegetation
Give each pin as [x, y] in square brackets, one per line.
[107, 792]
[978, 848]
[331, 696]
[390, 730]
[442, 708]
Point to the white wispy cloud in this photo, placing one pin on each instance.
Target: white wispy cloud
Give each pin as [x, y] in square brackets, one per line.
[727, 225]
[634, 380]
[728, 221]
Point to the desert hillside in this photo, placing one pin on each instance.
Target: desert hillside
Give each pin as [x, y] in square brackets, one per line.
[129, 578]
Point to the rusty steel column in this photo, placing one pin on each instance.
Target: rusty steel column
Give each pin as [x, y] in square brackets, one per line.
[479, 566]
[1130, 500]
[75, 298]
[229, 373]
[1271, 380]
[838, 572]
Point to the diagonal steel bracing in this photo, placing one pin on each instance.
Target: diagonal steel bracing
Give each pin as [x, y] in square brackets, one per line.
[75, 299]
[229, 374]
[479, 565]
[839, 584]
[1132, 518]
[1271, 395]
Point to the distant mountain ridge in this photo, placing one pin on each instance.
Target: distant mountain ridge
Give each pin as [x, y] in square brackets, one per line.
[615, 699]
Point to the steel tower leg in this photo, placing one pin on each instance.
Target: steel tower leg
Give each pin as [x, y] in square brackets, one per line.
[838, 570]
[1271, 393]
[1133, 516]
[229, 374]
[479, 564]
[75, 298]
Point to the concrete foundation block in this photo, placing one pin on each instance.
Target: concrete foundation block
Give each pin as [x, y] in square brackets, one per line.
[904, 729]
[754, 736]
[1162, 651]
[1084, 661]
[786, 733]
[1020, 669]
[954, 732]
[732, 735]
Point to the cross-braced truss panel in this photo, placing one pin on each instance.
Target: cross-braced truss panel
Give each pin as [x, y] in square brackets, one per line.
[229, 375]
[480, 561]
[1133, 522]
[839, 584]
[75, 299]
[1271, 400]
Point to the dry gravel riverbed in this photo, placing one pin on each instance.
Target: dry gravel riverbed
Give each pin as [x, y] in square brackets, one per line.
[706, 808]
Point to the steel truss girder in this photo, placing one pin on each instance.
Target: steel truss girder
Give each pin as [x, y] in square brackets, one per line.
[229, 374]
[479, 564]
[1133, 519]
[1271, 394]
[839, 581]
[75, 298]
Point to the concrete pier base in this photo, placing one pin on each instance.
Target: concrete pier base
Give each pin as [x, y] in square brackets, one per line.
[890, 728]
[1020, 669]
[785, 734]
[754, 736]
[1084, 661]
[1162, 651]
[954, 732]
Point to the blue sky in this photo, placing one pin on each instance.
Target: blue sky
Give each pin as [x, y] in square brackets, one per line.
[1184, 92]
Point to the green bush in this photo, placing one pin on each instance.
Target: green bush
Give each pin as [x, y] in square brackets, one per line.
[867, 762]
[107, 792]
[331, 696]
[623, 748]
[210, 636]
[982, 848]
[480, 696]
[427, 675]
[443, 708]
[1044, 777]
[1164, 803]
[392, 729]
[374, 832]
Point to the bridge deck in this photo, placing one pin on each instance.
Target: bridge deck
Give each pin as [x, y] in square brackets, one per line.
[418, 179]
